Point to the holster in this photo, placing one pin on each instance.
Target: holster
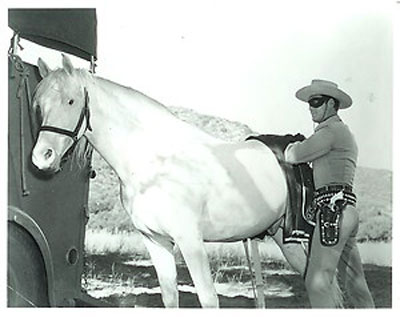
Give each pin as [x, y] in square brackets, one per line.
[330, 221]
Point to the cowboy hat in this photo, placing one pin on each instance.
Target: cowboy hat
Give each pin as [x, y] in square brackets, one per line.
[324, 87]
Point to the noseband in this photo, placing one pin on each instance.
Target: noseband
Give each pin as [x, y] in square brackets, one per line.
[85, 114]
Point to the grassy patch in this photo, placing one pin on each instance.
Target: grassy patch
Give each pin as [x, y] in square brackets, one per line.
[118, 242]
[221, 255]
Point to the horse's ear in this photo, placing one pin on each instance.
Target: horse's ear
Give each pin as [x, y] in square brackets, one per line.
[67, 64]
[44, 70]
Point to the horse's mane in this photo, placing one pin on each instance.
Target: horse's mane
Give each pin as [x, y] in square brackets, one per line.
[133, 91]
[82, 153]
[58, 75]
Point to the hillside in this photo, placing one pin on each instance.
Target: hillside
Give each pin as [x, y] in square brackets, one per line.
[374, 190]
[374, 187]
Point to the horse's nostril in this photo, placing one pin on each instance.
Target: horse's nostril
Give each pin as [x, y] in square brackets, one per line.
[48, 154]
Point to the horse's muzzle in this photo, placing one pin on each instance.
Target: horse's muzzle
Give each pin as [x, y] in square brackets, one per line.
[46, 159]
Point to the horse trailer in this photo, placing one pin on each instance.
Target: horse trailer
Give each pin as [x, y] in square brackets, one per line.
[47, 214]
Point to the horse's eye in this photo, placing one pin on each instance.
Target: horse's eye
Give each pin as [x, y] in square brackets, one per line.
[71, 101]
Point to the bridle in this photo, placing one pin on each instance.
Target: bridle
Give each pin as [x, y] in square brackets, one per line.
[85, 114]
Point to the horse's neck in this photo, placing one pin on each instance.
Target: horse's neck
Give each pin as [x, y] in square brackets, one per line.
[130, 128]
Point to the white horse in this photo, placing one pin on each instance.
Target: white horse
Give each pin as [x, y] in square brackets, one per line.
[178, 184]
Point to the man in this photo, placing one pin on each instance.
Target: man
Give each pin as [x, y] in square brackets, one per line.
[332, 150]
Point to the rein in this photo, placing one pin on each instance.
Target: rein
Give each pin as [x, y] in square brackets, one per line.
[85, 114]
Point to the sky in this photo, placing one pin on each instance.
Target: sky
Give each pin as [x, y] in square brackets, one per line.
[244, 60]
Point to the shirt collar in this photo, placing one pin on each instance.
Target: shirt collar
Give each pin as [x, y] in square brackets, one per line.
[334, 118]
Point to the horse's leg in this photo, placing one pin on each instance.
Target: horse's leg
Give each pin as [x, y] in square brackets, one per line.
[294, 253]
[194, 253]
[162, 256]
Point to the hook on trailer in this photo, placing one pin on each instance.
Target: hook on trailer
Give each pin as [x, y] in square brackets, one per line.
[14, 44]
[93, 64]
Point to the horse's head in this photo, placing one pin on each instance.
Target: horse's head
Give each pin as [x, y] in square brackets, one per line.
[62, 101]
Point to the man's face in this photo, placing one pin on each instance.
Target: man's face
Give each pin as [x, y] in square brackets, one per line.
[318, 114]
[321, 107]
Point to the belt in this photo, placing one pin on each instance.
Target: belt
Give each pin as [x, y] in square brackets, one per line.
[335, 188]
[325, 193]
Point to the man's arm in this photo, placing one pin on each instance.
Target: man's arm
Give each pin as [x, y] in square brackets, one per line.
[308, 150]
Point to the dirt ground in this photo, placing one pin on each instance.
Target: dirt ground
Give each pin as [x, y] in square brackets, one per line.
[108, 267]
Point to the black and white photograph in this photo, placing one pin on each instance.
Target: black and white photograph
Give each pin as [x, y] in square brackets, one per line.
[200, 154]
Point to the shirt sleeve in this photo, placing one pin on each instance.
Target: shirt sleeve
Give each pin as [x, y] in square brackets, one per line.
[310, 149]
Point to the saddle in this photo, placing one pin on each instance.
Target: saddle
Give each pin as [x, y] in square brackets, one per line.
[300, 185]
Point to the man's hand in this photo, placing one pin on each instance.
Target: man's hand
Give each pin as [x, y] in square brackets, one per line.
[290, 138]
[299, 137]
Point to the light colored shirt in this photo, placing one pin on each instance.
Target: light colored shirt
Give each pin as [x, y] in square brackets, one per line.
[332, 150]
